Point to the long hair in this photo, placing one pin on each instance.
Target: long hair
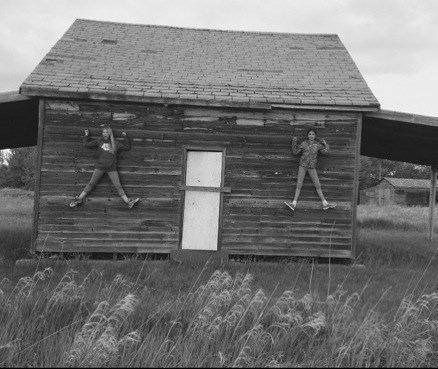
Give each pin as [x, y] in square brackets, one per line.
[113, 141]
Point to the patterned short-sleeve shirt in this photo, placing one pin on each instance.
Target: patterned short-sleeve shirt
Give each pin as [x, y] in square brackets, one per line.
[309, 152]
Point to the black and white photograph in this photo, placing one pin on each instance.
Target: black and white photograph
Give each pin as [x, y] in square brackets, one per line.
[218, 183]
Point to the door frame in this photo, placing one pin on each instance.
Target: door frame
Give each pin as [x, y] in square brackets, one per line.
[183, 188]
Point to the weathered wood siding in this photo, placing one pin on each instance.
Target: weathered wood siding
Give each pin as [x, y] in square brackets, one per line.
[259, 168]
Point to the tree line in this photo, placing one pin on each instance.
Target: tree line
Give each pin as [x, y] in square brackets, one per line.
[17, 169]
[372, 170]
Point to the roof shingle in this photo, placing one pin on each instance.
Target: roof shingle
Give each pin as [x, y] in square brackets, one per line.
[409, 183]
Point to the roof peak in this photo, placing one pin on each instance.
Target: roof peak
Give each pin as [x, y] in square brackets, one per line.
[206, 29]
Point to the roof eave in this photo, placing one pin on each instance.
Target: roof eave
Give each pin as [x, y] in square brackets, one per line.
[217, 102]
[12, 96]
[397, 116]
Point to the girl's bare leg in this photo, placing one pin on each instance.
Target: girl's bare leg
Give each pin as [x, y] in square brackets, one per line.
[300, 179]
[314, 176]
[325, 204]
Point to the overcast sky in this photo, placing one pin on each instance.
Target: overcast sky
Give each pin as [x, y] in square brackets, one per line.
[393, 42]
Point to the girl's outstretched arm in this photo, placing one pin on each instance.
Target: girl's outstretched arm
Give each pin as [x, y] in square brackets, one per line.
[125, 144]
[325, 148]
[295, 148]
[88, 142]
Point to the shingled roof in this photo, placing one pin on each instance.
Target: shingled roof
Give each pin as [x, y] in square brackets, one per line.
[105, 60]
[408, 183]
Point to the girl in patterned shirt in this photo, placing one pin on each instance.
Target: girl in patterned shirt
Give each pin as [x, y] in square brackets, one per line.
[309, 149]
[107, 163]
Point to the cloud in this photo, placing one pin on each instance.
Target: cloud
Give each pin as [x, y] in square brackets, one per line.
[393, 36]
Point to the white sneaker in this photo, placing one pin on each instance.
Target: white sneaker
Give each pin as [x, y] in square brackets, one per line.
[132, 202]
[76, 201]
[291, 205]
[327, 206]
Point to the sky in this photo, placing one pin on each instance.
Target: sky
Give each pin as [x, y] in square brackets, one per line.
[393, 42]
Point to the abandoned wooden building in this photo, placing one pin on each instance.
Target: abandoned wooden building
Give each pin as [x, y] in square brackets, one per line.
[210, 115]
[397, 191]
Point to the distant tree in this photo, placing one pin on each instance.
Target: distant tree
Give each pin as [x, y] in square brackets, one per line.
[20, 169]
[3, 174]
[372, 170]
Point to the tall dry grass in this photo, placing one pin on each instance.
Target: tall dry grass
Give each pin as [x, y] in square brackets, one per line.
[225, 322]
[82, 318]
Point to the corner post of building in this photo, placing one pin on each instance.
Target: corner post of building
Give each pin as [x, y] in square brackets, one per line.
[432, 198]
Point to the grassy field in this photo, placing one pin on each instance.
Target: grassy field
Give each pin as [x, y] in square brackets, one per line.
[395, 217]
[15, 223]
[244, 314]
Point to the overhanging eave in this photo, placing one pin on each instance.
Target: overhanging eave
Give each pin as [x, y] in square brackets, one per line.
[400, 136]
[19, 120]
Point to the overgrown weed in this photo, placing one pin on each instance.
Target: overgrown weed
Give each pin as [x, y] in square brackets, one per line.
[224, 322]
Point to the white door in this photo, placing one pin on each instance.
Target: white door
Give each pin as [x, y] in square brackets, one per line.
[201, 205]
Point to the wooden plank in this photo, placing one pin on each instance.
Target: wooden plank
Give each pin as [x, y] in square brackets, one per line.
[118, 224]
[274, 223]
[239, 247]
[65, 132]
[432, 201]
[290, 239]
[285, 229]
[299, 252]
[356, 187]
[273, 203]
[135, 248]
[260, 245]
[36, 209]
[153, 220]
[275, 114]
[160, 113]
[119, 236]
[221, 200]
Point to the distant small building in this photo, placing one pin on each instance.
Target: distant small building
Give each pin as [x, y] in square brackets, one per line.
[397, 191]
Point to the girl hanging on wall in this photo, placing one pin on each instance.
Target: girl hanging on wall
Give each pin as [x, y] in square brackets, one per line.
[309, 149]
[107, 163]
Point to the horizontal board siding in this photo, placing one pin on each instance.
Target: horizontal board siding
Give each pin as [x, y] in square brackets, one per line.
[259, 168]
